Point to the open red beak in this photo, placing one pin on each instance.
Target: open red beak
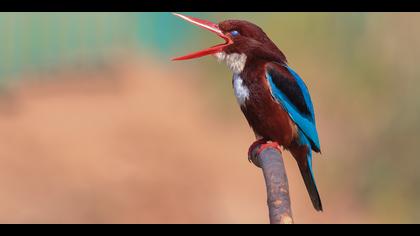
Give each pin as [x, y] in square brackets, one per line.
[211, 27]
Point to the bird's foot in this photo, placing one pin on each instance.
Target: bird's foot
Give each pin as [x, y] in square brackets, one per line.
[257, 147]
[253, 146]
[267, 145]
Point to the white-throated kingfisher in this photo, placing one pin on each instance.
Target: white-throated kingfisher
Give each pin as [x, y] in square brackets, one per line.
[272, 96]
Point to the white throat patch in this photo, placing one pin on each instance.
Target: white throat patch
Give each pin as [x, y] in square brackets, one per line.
[235, 61]
[240, 89]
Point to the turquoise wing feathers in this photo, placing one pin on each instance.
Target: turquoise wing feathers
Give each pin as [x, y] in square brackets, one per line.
[290, 91]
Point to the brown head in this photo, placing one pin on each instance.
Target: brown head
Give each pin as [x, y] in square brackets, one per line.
[244, 42]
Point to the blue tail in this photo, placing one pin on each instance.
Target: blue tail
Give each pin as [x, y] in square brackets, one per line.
[305, 167]
[303, 156]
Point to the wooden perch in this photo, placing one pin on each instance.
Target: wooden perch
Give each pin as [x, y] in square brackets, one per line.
[278, 199]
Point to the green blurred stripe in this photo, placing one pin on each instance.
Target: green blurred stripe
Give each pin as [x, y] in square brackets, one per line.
[39, 40]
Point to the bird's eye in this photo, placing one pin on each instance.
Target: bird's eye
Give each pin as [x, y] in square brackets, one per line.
[234, 33]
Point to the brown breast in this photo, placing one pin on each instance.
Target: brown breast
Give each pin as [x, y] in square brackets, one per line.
[265, 115]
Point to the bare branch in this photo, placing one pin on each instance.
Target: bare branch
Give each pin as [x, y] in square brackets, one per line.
[278, 199]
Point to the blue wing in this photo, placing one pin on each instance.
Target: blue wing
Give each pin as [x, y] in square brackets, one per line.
[291, 93]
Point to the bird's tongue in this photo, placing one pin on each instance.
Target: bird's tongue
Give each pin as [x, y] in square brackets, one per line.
[208, 26]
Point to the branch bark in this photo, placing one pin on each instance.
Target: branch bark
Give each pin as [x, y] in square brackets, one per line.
[278, 199]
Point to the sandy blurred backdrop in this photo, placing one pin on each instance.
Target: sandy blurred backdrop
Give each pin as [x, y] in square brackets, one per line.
[99, 126]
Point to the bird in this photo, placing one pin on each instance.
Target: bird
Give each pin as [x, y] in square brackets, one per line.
[272, 96]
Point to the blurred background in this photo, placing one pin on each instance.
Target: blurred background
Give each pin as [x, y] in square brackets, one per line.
[99, 126]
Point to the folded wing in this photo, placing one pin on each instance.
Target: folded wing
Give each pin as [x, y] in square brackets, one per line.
[289, 90]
